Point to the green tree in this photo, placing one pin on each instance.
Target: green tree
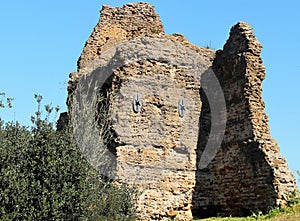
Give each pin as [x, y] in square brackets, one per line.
[43, 176]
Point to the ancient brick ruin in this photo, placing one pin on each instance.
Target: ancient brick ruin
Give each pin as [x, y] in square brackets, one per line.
[157, 150]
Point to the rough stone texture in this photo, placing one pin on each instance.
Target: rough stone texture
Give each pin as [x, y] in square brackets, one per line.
[157, 148]
[118, 25]
[248, 173]
[157, 145]
[63, 121]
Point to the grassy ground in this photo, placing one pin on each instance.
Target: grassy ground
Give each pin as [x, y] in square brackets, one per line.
[290, 213]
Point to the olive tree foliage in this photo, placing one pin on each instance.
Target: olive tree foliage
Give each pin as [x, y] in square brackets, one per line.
[44, 176]
[7, 103]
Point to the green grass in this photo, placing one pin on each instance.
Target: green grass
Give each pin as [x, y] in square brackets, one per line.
[289, 213]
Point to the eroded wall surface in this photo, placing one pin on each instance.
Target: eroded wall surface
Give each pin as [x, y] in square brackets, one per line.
[156, 149]
[248, 173]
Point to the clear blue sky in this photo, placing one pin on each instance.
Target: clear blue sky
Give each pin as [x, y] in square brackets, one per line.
[40, 43]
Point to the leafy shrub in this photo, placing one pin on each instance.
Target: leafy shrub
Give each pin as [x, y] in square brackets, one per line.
[113, 202]
[43, 176]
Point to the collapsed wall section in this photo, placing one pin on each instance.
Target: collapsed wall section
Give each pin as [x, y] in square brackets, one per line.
[248, 173]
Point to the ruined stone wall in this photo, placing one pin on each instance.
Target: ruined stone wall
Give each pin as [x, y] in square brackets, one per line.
[117, 25]
[156, 147]
[157, 151]
[247, 174]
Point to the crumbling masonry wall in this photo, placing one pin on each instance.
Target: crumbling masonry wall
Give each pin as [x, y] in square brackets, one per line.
[247, 174]
[117, 25]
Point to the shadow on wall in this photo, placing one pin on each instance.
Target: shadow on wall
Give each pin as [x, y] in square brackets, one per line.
[239, 180]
